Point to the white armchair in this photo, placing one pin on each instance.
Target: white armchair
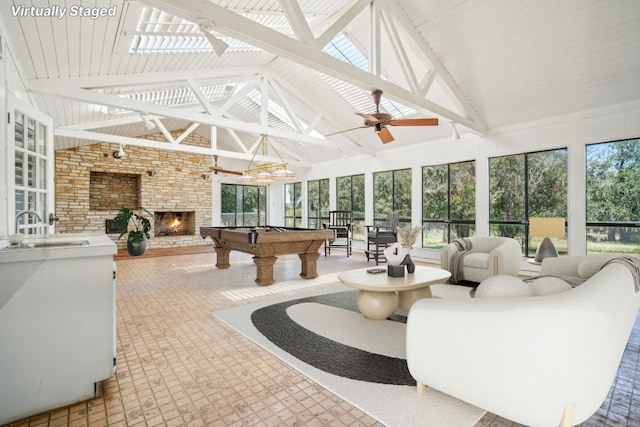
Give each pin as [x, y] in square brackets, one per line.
[489, 256]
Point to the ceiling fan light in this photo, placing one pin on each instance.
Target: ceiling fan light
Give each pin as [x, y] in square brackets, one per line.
[263, 178]
[284, 174]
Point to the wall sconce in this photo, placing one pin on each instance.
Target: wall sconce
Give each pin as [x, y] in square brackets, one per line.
[204, 176]
[150, 173]
[148, 123]
[455, 135]
[120, 154]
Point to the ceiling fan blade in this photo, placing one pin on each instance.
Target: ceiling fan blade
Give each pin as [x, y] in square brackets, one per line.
[346, 130]
[385, 136]
[231, 172]
[414, 122]
[368, 117]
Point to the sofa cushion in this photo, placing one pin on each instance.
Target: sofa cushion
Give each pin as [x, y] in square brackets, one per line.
[476, 260]
[502, 286]
[548, 285]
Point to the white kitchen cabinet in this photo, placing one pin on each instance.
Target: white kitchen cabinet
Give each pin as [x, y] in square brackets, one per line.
[57, 323]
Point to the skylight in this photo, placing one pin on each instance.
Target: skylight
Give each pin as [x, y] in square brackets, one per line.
[342, 48]
[178, 96]
[160, 32]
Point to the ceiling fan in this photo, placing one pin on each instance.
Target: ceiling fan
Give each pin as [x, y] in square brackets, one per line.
[379, 121]
[215, 168]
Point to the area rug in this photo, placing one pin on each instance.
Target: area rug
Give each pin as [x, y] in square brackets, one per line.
[360, 360]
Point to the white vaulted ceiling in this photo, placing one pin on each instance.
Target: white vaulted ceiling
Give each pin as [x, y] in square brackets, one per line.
[299, 70]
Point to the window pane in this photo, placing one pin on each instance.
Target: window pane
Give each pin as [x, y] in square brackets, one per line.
[42, 139]
[613, 181]
[357, 191]
[402, 193]
[506, 182]
[343, 185]
[19, 130]
[19, 168]
[250, 206]
[42, 174]
[434, 235]
[613, 239]
[313, 202]
[228, 205]
[19, 200]
[613, 204]
[463, 191]
[434, 192]
[31, 135]
[31, 171]
[515, 231]
[383, 188]
[350, 191]
[547, 185]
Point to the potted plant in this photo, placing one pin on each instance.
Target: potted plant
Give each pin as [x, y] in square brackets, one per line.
[408, 235]
[136, 226]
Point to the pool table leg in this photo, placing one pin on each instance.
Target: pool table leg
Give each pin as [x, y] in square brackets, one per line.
[222, 257]
[309, 265]
[265, 269]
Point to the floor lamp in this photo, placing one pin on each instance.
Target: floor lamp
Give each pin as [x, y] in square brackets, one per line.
[546, 228]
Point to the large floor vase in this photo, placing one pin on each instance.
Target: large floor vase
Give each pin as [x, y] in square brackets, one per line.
[136, 250]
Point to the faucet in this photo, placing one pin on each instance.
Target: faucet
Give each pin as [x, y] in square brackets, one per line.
[21, 213]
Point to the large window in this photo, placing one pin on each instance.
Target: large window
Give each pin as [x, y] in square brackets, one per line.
[350, 191]
[293, 204]
[448, 203]
[318, 202]
[243, 205]
[392, 192]
[523, 186]
[613, 197]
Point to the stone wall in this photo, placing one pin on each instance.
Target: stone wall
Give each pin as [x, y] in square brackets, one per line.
[166, 181]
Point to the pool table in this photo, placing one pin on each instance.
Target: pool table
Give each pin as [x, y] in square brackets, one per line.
[265, 243]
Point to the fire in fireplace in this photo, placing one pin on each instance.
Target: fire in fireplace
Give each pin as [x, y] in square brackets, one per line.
[174, 223]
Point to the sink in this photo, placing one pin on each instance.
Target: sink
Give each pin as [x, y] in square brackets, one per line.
[54, 244]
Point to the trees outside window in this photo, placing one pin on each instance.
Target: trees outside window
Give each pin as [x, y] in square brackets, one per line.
[318, 202]
[523, 186]
[243, 205]
[392, 192]
[293, 204]
[350, 193]
[613, 197]
[448, 203]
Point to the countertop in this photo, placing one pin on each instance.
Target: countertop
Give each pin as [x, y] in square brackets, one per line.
[94, 245]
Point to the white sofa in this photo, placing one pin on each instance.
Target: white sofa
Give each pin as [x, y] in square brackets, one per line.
[489, 256]
[529, 358]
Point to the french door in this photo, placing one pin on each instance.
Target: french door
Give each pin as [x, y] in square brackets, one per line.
[31, 157]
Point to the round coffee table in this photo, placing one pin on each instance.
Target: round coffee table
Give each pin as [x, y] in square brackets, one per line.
[380, 295]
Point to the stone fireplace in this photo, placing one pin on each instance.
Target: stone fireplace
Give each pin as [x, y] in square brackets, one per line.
[92, 186]
[174, 223]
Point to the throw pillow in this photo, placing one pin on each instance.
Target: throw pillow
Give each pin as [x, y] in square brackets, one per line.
[502, 286]
[592, 265]
[548, 285]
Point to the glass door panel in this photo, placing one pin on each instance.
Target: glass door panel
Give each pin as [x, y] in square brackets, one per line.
[32, 158]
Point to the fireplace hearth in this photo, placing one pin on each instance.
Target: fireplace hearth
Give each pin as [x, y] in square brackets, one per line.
[174, 223]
